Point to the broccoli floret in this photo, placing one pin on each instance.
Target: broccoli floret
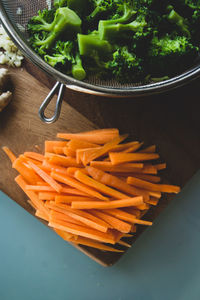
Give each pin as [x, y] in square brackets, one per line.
[103, 8]
[91, 43]
[67, 59]
[170, 55]
[177, 19]
[45, 34]
[125, 66]
[79, 6]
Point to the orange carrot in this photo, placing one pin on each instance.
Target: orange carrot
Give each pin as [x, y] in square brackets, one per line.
[147, 177]
[99, 136]
[33, 196]
[49, 166]
[49, 145]
[133, 211]
[41, 215]
[165, 188]
[114, 222]
[150, 149]
[83, 178]
[69, 199]
[106, 205]
[124, 244]
[59, 150]
[55, 215]
[126, 216]
[77, 185]
[94, 153]
[64, 161]
[71, 171]
[31, 204]
[83, 231]
[77, 144]
[115, 182]
[143, 206]
[47, 188]
[94, 244]
[153, 201]
[47, 195]
[65, 235]
[133, 148]
[27, 173]
[34, 155]
[118, 158]
[9, 153]
[56, 186]
[84, 217]
[160, 166]
[107, 166]
[124, 146]
[69, 152]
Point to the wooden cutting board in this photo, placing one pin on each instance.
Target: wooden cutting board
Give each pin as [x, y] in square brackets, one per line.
[171, 121]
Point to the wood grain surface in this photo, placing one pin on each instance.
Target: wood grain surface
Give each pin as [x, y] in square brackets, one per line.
[170, 120]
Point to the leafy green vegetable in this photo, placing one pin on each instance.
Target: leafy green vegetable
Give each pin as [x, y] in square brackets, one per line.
[129, 41]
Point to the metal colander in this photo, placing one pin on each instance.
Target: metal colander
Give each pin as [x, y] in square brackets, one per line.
[14, 16]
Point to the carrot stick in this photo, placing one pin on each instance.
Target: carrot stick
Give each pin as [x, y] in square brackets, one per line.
[69, 152]
[94, 244]
[56, 186]
[153, 201]
[49, 166]
[126, 216]
[71, 171]
[160, 166]
[106, 205]
[113, 221]
[33, 196]
[124, 244]
[133, 211]
[143, 206]
[58, 150]
[78, 144]
[47, 196]
[55, 215]
[83, 231]
[107, 166]
[124, 146]
[165, 188]
[82, 216]
[47, 188]
[49, 145]
[98, 186]
[40, 214]
[9, 153]
[94, 153]
[27, 173]
[70, 199]
[31, 204]
[65, 235]
[133, 148]
[118, 158]
[150, 149]
[147, 177]
[77, 185]
[63, 161]
[34, 155]
[115, 182]
[99, 136]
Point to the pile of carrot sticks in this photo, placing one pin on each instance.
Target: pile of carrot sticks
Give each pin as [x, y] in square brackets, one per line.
[93, 188]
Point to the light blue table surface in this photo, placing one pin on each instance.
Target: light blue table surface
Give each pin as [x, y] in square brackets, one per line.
[164, 263]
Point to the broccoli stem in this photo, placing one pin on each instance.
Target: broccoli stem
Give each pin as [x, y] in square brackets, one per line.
[77, 69]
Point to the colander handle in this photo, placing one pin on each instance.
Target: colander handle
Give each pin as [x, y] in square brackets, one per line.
[57, 87]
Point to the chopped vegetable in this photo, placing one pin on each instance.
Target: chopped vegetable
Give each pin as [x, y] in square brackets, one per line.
[94, 201]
